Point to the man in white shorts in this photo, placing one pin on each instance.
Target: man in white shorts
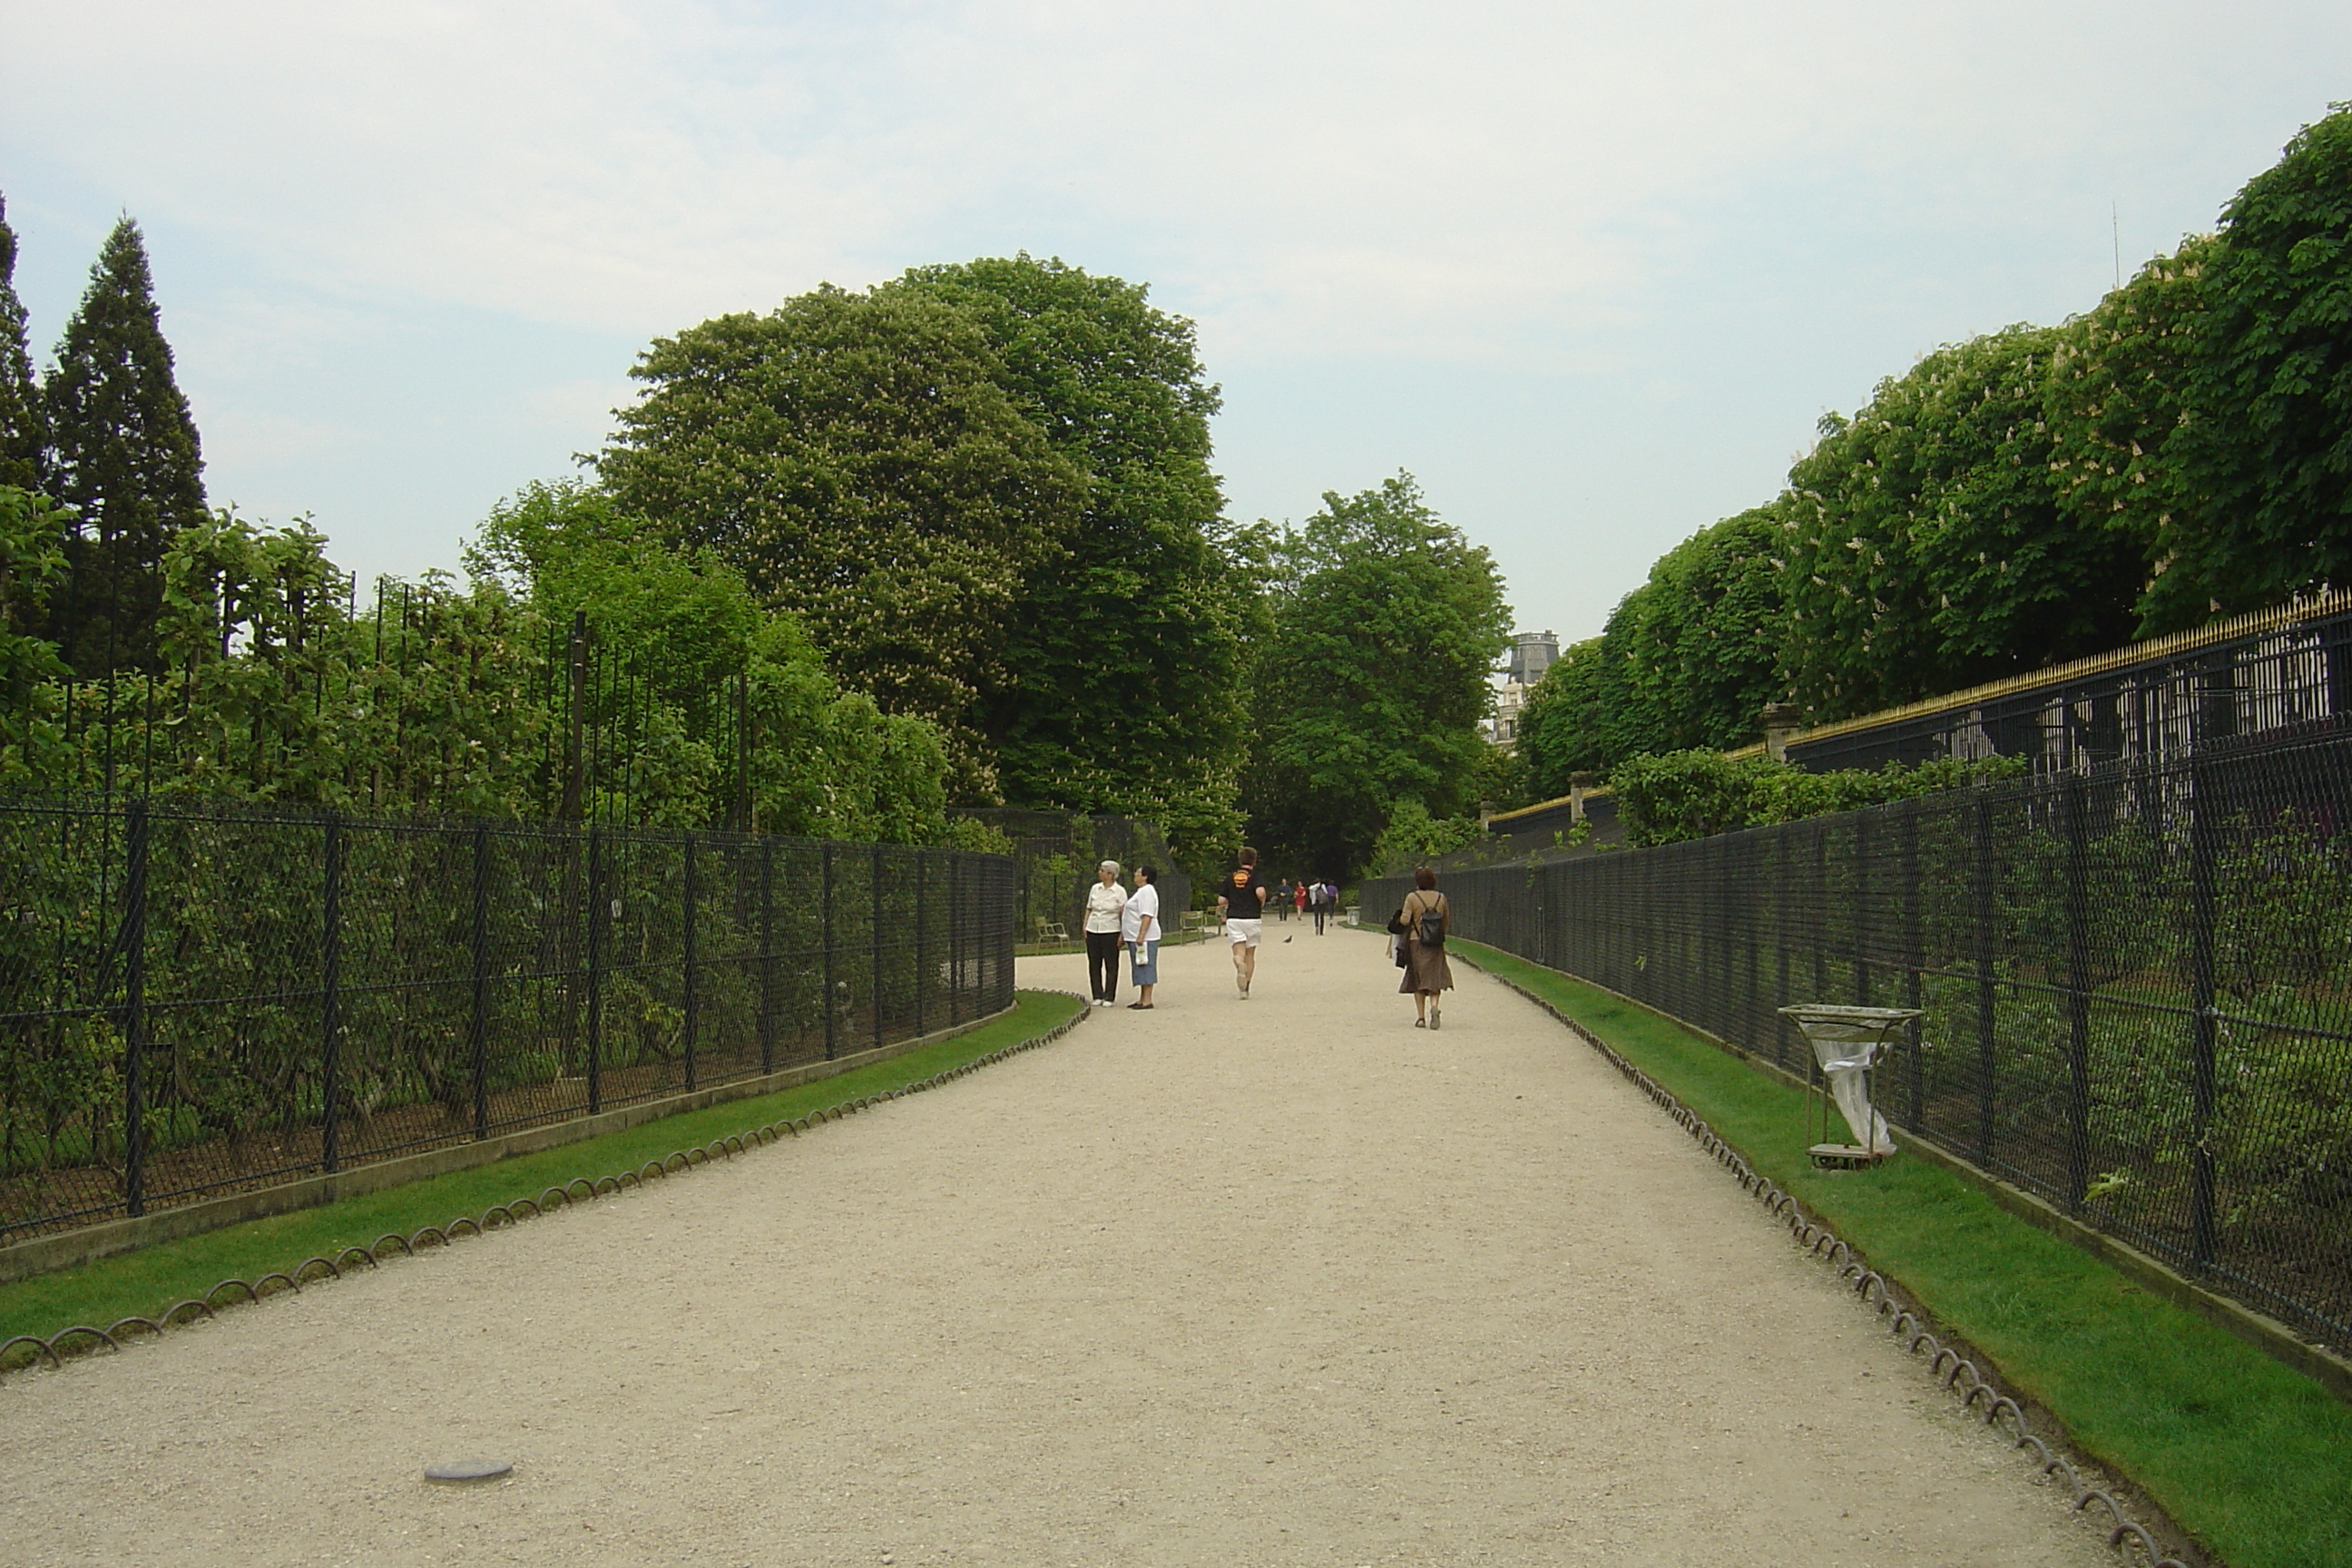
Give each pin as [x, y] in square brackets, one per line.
[1241, 903]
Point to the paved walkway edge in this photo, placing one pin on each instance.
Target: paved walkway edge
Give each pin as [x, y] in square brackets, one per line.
[2319, 1363]
[502, 1214]
[1948, 1361]
[72, 1248]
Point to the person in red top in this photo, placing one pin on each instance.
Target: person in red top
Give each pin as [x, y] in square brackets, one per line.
[1298, 899]
[1241, 903]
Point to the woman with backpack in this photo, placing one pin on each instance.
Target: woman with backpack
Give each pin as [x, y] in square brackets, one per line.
[1425, 919]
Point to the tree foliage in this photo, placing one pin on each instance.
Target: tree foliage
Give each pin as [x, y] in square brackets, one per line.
[817, 760]
[858, 459]
[1371, 684]
[32, 558]
[2266, 452]
[124, 456]
[2114, 405]
[1124, 644]
[1688, 659]
[23, 430]
[2182, 450]
[1565, 724]
[986, 488]
[1926, 544]
[274, 681]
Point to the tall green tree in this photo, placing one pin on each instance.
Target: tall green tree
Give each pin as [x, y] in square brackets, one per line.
[31, 558]
[1371, 688]
[814, 760]
[124, 456]
[2113, 403]
[857, 457]
[1924, 544]
[1124, 650]
[2266, 449]
[1565, 727]
[1687, 660]
[1695, 651]
[24, 432]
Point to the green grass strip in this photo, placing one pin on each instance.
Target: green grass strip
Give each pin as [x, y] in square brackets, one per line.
[2251, 1456]
[151, 1281]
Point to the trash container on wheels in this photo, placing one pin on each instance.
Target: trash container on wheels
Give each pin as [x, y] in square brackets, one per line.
[1848, 1042]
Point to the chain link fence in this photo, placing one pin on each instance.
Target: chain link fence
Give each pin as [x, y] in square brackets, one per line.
[2137, 980]
[197, 998]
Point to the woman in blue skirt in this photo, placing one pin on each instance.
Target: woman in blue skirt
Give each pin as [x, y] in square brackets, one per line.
[1139, 926]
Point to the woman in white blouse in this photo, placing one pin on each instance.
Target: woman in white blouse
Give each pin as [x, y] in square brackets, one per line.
[1106, 902]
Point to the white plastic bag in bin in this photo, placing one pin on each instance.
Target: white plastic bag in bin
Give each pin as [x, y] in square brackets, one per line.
[1848, 1042]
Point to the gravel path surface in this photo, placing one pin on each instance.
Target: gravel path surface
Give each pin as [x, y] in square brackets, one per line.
[1277, 1282]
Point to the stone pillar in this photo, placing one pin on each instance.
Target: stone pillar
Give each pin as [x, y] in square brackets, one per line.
[1779, 725]
[1579, 786]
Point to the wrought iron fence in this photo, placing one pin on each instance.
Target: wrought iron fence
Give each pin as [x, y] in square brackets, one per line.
[198, 996]
[1056, 854]
[2138, 978]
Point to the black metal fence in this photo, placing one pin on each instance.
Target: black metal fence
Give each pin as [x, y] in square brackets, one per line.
[198, 996]
[2137, 980]
[1057, 854]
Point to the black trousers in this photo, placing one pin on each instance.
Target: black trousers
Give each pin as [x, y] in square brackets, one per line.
[1102, 963]
[1319, 917]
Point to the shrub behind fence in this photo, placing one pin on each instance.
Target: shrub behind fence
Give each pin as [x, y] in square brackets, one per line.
[198, 996]
[2137, 979]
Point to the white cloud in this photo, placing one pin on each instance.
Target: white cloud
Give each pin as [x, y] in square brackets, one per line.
[1380, 206]
[1424, 175]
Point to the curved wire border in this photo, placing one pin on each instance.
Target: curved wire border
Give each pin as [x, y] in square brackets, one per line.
[83, 1340]
[1946, 1363]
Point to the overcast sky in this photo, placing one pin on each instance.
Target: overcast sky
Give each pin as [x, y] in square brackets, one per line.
[1591, 272]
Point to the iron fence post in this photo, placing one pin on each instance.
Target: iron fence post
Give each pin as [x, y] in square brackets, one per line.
[2203, 1030]
[1750, 906]
[955, 938]
[767, 956]
[1779, 905]
[478, 1032]
[922, 921]
[1913, 959]
[2074, 817]
[1817, 908]
[575, 706]
[830, 1009]
[1986, 1030]
[690, 1020]
[598, 915]
[1862, 891]
[330, 1023]
[874, 918]
[133, 941]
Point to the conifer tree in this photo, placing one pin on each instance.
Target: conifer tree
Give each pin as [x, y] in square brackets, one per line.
[23, 431]
[123, 454]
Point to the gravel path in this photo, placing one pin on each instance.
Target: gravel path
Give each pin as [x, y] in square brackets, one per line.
[1278, 1282]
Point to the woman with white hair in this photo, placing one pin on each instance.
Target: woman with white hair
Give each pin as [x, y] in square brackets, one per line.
[1106, 902]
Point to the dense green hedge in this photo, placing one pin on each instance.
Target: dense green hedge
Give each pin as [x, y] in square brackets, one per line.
[2014, 500]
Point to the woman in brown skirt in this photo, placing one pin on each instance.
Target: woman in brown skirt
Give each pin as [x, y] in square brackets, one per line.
[1426, 971]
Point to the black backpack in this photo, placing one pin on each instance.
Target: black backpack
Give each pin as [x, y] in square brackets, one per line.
[1432, 931]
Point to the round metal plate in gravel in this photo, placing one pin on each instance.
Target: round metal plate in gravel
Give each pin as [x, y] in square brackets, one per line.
[466, 1470]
